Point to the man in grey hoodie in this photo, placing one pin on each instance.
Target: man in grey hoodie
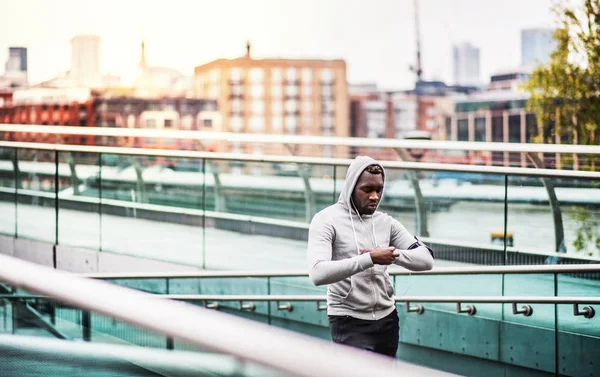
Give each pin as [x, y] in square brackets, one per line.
[350, 245]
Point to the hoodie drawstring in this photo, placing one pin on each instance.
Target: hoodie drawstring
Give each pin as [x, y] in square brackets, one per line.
[354, 230]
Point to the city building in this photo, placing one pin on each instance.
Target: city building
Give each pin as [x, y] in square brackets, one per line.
[466, 69]
[395, 115]
[498, 116]
[508, 81]
[278, 96]
[15, 73]
[537, 45]
[85, 61]
[160, 81]
[91, 108]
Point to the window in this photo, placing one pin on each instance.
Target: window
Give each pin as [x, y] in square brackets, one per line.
[213, 92]
[276, 123]
[326, 76]
[276, 107]
[237, 90]
[291, 91]
[236, 106]
[257, 124]
[480, 129]
[276, 75]
[291, 74]
[514, 128]
[463, 130]
[150, 123]
[168, 123]
[327, 121]
[257, 75]
[257, 91]
[236, 124]
[306, 75]
[291, 106]
[326, 91]
[214, 76]
[291, 123]
[235, 74]
[276, 91]
[258, 107]
[307, 90]
[327, 107]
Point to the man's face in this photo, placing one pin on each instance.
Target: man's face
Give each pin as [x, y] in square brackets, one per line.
[367, 192]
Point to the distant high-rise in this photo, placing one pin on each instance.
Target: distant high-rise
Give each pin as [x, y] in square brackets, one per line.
[15, 74]
[466, 64]
[17, 59]
[85, 61]
[536, 46]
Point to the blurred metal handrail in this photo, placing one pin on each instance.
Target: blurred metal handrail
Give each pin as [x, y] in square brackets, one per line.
[279, 349]
[420, 166]
[180, 363]
[471, 270]
[304, 140]
[431, 299]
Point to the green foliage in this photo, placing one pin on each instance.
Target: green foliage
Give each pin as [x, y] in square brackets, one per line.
[586, 229]
[565, 94]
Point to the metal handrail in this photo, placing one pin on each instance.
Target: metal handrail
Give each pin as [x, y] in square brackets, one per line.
[321, 298]
[474, 270]
[304, 140]
[279, 349]
[186, 363]
[420, 166]
[430, 299]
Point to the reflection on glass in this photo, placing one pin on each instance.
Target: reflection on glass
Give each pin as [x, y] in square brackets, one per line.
[36, 216]
[463, 214]
[265, 193]
[138, 197]
[554, 218]
[79, 213]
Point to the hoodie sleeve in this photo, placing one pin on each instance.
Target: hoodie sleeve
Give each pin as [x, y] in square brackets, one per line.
[414, 254]
[323, 270]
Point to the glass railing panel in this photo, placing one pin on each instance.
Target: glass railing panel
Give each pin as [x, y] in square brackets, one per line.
[8, 181]
[461, 215]
[78, 196]
[553, 220]
[258, 213]
[36, 215]
[152, 208]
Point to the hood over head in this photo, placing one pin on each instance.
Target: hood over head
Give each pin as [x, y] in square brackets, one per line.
[355, 169]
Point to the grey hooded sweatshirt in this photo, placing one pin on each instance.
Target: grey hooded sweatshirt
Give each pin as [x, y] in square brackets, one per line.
[337, 234]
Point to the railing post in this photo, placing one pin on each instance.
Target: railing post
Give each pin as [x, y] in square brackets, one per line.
[421, 223]
[86, 326]
[559, 233]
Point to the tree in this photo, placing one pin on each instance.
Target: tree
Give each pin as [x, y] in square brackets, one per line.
[565, 94]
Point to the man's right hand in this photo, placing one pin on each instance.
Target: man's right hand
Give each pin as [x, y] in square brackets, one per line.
[384, 255]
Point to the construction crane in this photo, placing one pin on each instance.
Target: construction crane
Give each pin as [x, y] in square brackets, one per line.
[418, 70]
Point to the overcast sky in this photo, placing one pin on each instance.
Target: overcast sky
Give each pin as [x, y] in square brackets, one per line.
[375, 37]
